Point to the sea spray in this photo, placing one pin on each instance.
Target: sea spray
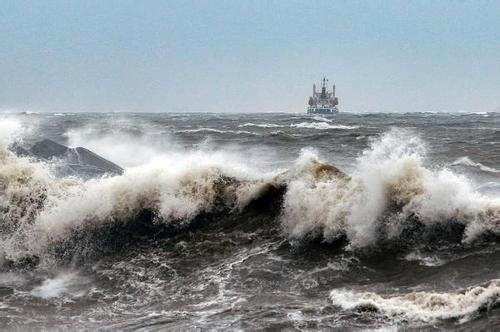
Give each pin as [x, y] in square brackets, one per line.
[389, 191]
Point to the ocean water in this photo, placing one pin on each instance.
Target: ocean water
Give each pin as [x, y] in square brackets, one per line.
[253, 221]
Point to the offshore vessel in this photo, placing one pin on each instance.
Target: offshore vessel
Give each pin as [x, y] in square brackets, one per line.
[323, 102]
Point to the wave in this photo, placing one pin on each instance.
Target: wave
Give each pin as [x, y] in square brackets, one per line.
[427, 307]
[212, 130]
[465, 161]
[322, 119]
[320, 126]
[39, 210]
[482, 113]
[390, 197]
[423, 259]
[261, 125]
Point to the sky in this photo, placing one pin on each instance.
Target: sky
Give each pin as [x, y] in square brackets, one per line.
[249, 56]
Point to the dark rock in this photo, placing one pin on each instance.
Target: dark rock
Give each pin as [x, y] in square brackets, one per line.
[69, 161]
[19, 150]
[87, 157]
[48, 149]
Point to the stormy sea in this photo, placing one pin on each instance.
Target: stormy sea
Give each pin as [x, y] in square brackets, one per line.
[249, 221]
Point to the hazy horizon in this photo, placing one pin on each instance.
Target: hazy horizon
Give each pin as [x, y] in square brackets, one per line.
[222, 56]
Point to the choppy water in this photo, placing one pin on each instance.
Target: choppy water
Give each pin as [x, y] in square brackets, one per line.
[234, 222]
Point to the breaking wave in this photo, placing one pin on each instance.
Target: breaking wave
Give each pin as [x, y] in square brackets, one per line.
[427, 307]
[39, 210]
[389, 196]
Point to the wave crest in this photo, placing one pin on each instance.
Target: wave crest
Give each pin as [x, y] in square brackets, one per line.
[39, 210]
[466, 161]
[425, 307]
[389, 192]
[321, 126]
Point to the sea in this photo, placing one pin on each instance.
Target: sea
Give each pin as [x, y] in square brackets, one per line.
[271, 221]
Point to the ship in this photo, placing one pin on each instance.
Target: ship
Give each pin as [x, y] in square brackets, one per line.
[323, 102]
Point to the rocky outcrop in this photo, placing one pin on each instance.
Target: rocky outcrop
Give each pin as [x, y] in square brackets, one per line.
[69, 161]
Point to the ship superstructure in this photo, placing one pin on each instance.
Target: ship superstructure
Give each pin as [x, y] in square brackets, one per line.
[323, 102]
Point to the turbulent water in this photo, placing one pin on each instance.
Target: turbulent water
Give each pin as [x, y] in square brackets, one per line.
[261, 221]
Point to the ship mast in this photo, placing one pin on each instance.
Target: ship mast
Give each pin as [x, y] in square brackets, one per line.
[323, 87]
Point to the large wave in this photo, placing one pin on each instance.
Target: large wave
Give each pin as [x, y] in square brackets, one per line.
[39, 209]
[389, 195]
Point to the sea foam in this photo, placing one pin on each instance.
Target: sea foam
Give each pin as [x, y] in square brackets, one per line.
[427, 307]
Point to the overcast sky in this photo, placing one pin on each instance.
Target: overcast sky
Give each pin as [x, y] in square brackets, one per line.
[249, 56]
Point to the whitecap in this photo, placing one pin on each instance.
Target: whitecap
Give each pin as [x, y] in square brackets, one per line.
[466, 161]
[428, 307]
[320, 126]
[261, 125]
[212, 130]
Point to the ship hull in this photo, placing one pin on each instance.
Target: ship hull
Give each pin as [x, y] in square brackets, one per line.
[322, 111]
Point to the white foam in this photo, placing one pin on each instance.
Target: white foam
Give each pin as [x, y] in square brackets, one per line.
[64, 284]
[261, 125]
[320, 126]
[320, 118]
[311, 207]
[426, 307]
[212, 130]
[424, 260]
[178, 189]
[466, 161]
